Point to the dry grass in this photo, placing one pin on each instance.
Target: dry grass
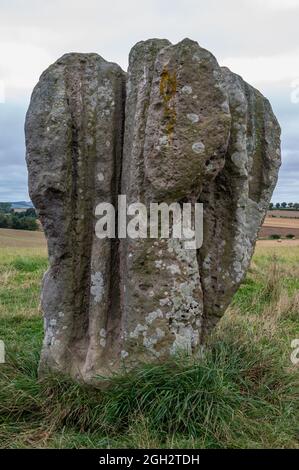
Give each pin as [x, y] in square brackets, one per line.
[22, 239]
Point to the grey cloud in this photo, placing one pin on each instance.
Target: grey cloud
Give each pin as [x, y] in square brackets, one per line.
[13, 173]
[279, 94]
[229, 29]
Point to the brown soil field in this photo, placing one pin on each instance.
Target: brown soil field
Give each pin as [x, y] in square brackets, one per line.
[266, 231]
[279, 213]
[279, 226]
[283, 222]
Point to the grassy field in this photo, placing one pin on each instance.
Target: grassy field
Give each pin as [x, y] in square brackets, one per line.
[243, 394]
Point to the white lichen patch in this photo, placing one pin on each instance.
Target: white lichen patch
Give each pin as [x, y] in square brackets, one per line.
[97, 286]
[150, 341]
[183, 341]
[185, 314]
[198, 147]
[153, 315]
[187, 90]
[139, 329]
[174, 269]
[163, 140]
[103, 333]
[193, 117]
[164, 302]
[158, 264]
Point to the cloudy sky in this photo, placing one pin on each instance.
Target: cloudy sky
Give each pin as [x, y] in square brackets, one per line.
[258, 39]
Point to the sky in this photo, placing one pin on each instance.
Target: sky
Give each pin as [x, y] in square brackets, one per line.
[258, 39]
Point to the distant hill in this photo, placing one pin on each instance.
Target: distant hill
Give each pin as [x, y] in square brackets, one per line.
[21, 205]
[16, 206]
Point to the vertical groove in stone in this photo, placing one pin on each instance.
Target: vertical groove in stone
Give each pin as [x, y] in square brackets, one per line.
[82, 171]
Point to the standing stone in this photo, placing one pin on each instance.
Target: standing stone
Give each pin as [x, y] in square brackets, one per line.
[74, 140]
[193, 132]
[177, 116]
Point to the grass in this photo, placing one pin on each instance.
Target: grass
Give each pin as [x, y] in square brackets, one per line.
[243, 394]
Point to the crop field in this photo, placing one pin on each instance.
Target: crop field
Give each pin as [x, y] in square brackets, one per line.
[22, 239]
[284, 213]
[281, 226]
[243, 393]
[281, 222]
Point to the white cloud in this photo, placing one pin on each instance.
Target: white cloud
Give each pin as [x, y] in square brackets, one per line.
[21, 66]
[263, 68]
[279, 4]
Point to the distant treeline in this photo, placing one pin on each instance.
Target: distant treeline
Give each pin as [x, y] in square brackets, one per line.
[17, 220]
[284, 205]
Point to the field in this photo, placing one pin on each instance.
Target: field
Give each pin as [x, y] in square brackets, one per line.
[242, 394]
[282, 226]
[284, 213]
[20, 239]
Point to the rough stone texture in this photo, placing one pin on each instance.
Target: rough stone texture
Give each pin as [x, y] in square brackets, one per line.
[177, 117]
[192, 132]
[74, 138]
[236, 201]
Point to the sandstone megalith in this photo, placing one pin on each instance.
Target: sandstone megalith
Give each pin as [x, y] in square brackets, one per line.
[176, 128]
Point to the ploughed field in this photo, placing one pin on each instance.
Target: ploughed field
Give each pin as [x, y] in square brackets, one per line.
[281, 223]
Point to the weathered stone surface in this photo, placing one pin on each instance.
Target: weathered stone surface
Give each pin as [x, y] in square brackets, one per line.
[177, 118]
[193, 132]
[74, 138]
[236, 201]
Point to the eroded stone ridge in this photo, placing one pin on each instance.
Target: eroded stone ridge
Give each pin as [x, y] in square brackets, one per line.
[185, 130]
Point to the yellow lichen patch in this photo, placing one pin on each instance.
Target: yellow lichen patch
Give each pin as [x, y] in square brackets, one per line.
[168, 86]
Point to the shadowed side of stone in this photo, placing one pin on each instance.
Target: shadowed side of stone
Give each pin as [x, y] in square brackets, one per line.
[74, 138]
[236, 201]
